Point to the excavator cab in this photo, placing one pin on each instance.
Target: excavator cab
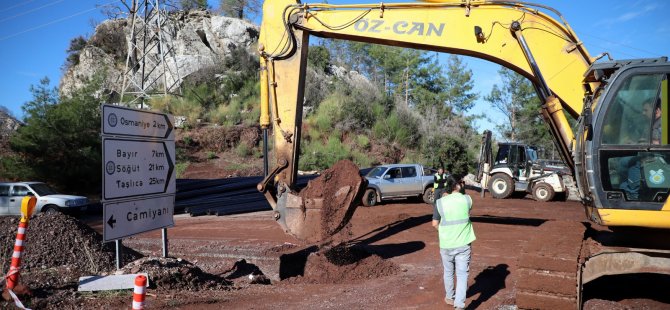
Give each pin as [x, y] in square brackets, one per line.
[627, 139]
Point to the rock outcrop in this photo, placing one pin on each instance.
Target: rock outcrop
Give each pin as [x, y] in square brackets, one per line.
[199, 41]
[8, 124]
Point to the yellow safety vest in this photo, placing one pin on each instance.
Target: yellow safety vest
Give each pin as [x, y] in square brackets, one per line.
[439, 177]
[455, 229]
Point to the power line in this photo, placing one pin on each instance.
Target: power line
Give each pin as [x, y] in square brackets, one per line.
[51, 22]
[623, 45]
[16, 5]
[32, 10]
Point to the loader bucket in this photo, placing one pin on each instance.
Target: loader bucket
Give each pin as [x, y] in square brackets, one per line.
[325, 206]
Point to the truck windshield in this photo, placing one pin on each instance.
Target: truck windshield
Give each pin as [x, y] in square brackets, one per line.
[43, 189]
[376, 172]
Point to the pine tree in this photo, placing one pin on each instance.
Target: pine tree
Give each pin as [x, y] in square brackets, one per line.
[240, 8]
[57, 133]
[193, 4]
[518, 101]
[459, 85]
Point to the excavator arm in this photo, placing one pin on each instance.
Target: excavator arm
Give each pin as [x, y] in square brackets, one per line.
[519, 36]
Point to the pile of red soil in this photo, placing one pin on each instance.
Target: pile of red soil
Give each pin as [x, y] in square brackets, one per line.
[58, 250]
[343, 264]
[59, 240]
[175, 273]
[341, 188]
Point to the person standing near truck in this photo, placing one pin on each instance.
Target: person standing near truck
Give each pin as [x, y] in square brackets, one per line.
[439, 182]
[451, 218]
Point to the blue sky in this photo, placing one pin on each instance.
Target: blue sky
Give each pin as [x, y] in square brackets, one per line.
[34, 35]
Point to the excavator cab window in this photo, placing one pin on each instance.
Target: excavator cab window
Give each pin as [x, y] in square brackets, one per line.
[630, 118]
[641, 176]
[635, 157]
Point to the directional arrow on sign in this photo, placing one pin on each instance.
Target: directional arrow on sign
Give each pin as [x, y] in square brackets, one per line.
[111, 221]
[135, 168]
[122, 121]
[130, 217]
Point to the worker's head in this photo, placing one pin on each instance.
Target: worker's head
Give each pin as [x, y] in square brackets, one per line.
[440, 170]
[454, 186]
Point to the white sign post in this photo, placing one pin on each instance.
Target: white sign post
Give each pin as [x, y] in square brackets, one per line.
[139, 179]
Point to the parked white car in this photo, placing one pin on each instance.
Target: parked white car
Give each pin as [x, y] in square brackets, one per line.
[48, 200]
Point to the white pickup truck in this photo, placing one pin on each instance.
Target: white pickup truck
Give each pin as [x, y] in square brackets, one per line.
[48, 200]
[398, 181]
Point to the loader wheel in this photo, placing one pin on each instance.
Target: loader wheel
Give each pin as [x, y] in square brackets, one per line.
[370, 197]
[501, 186]
[543, 192]
[428, 195]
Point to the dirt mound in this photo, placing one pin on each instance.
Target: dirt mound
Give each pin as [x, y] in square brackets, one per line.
[57, 240]
[175, 273]
[340, 188]
[219, 138]
[343, 264]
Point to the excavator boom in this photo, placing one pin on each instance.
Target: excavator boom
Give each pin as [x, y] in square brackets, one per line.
[516, 35]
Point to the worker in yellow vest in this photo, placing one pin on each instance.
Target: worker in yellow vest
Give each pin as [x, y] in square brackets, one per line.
[451, 218]
[439, 181]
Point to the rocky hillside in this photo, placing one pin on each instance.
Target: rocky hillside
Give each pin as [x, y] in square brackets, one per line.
[199, 39]
[8, 124]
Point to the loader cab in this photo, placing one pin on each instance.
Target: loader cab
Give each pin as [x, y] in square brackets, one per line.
[630, 152]
[517, 157]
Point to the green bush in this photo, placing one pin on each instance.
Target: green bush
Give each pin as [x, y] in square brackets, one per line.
[243, 150]
[327, 114]
[227, 114]
[211, 155]
[362, 160]
[192, 110]
[318, 156]
[448, 152]
[181, 154]
[180, 168]
[400, 127]
[363, 142]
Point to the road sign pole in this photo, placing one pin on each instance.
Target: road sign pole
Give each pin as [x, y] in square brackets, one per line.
[118, 254]
[165, 242]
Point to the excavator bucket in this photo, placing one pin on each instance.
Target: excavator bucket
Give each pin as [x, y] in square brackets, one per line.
[325, 206]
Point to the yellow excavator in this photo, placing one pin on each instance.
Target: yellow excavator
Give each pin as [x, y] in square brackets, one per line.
[618, 151]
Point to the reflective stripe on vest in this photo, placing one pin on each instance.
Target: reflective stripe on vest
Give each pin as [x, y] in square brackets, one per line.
[439, 177]
[454, 222]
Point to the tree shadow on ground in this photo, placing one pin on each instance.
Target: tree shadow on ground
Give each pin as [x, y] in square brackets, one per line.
[506, 220]
[388, 230]
[487, 283]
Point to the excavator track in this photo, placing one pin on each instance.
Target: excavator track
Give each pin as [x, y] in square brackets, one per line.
[549, 269]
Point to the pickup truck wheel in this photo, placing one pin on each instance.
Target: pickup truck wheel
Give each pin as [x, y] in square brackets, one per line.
[501, 186]
[370, 197]
[428, 195]
[50, 209]
[543, 192]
